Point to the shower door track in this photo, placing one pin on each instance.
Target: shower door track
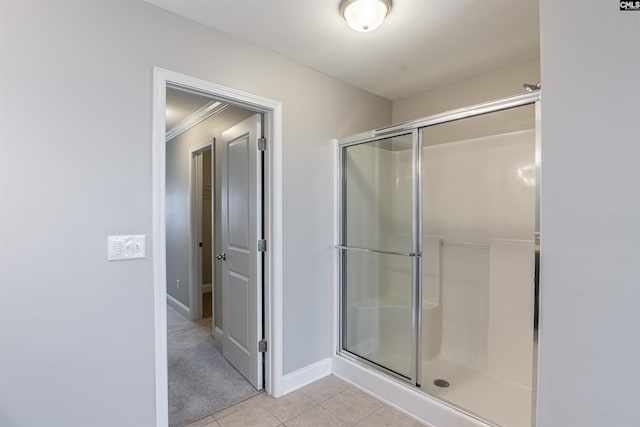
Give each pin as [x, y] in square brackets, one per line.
[412, 127]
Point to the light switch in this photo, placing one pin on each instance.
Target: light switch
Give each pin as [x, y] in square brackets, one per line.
[126, 247]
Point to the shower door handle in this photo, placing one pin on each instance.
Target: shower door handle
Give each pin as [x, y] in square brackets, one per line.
[377, 251]
[221, 257]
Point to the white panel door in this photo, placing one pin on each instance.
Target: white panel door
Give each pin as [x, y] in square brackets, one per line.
[241, 261]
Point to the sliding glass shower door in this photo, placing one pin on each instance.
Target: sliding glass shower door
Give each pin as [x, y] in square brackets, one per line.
[439, 237]
[378, 253]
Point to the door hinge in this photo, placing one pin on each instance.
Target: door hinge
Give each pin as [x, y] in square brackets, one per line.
[262, 144]
[262, 245]
[262, 346]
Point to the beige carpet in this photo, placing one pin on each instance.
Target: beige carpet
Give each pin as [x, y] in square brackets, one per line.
[201, 381]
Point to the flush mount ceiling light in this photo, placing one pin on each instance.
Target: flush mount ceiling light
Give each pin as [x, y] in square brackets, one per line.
[364, 15]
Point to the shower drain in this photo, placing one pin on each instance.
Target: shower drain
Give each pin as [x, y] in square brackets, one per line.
[441, 383]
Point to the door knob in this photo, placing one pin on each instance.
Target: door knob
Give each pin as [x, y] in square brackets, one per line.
[221, 257]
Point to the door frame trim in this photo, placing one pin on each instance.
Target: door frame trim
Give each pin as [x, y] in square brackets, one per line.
[273, 262]
[196, 186]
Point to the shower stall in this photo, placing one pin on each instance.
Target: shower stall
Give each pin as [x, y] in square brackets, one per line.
[437, 255]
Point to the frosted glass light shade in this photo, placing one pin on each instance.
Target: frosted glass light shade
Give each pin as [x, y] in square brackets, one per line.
[364, 15]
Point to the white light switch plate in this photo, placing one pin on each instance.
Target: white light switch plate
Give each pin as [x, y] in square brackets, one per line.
[126, 247]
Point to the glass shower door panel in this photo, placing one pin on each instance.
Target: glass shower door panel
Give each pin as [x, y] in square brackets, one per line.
[377, 194]
[377, 309]
[377, 242]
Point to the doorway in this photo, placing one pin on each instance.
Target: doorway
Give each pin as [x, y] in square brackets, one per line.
[212, 205]
[202, 164]
[267, 228]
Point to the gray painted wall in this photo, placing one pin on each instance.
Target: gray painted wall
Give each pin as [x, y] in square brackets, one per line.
[76, 333]
[499, 83]
[589, 346]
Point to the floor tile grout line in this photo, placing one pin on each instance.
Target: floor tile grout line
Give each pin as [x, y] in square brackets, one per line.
[348, 423]
[260, 403]
[316, 404]
[382, 405]
[229, 407]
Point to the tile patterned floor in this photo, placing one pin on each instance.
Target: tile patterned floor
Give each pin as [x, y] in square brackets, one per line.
[329, 402]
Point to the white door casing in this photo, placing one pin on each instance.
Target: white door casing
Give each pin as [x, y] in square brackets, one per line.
[273, 223]
[241, 262]
[195, 291]
[196, 189]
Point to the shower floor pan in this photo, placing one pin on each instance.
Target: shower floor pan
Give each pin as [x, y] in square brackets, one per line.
[495, 399]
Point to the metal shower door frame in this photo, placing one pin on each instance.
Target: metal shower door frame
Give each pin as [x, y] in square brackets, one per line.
[414, 127]
[415, 254]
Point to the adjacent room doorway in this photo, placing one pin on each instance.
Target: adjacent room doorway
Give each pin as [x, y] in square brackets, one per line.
[250, 227]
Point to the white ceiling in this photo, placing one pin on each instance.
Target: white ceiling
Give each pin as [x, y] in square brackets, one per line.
[421, 45]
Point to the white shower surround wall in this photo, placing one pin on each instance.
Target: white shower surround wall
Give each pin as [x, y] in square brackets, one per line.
[474, 325]
[470, 183]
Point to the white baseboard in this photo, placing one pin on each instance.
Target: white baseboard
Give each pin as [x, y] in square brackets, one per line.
[180, 307]
[398, 395]
[206, 288]
[217, 334]
[306, 375]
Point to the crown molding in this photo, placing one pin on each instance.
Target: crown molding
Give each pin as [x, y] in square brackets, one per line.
[211, 109]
